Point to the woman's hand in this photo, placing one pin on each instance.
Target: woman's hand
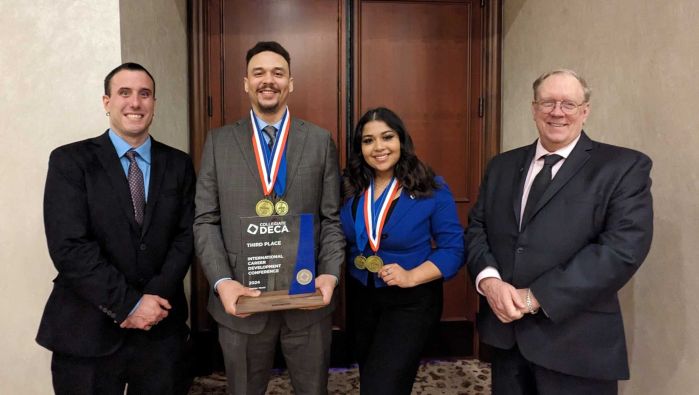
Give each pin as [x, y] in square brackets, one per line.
[393, 274]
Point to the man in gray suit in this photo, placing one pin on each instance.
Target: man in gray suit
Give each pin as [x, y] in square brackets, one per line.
[230, 187]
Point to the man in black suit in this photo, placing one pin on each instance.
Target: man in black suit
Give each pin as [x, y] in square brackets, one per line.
[559, 227]
[118, 213]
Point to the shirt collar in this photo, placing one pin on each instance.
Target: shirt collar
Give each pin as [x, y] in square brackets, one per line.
[564, 152]
[122, 146]
[262, 124]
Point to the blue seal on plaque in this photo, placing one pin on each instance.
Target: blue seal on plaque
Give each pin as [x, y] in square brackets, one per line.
[304, 271]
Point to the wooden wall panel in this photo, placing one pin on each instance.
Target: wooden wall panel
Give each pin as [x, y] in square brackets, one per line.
[421, 60]
[309, 30]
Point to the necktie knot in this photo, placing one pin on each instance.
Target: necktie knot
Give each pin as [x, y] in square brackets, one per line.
[131, 154]
[271, 132]
[550, 160]
[539, 185]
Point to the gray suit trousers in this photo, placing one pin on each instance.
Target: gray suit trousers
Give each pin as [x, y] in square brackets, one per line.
[249, 358]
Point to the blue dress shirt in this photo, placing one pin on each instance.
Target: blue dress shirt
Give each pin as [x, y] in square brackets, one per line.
[142, 158]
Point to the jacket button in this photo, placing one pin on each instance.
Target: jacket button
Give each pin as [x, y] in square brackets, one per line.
[142, 246]
[520, 250]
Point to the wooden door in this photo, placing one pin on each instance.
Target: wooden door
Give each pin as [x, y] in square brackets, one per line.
[423, 59]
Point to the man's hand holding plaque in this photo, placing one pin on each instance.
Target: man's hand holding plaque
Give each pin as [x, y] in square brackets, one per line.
[279, 256]
[229, 291]
[326, 284]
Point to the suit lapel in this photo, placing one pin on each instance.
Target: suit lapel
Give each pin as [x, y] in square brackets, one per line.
[519, 181]
[158, 164]
[404, 205]
[107, 156]
[242, 133]
[575, 161]
[295, 144]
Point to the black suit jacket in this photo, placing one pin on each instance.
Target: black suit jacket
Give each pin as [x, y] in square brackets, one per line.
[105, 260]
[590, 232]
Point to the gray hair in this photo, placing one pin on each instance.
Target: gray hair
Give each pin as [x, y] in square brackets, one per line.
[581, 80]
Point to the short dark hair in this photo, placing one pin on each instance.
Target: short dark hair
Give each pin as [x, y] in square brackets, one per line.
[271, 46]
[126, 66]
[414, 176]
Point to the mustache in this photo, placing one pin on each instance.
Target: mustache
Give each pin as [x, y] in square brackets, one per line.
[268, 86]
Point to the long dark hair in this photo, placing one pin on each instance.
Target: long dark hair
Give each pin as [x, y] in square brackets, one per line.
[414, 176]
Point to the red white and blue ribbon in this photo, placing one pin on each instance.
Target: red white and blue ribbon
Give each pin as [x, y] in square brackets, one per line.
[271, 165]
[375, 213]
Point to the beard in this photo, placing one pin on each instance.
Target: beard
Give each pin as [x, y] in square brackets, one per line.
[269, 108]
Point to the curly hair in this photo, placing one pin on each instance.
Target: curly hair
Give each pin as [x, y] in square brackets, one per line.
[414, 176]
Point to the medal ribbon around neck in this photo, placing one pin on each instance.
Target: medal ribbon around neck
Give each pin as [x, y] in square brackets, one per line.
[270, 163]
[375, 213]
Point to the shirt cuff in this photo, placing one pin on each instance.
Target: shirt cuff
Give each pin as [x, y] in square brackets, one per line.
[486, 273]
[218, 282]
[135, 307]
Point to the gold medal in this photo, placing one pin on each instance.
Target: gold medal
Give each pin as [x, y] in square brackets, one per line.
[374, 263]
[264, 208]
[360, 262]
[281, 207]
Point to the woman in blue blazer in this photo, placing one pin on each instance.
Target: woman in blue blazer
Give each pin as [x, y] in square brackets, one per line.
[403, 238]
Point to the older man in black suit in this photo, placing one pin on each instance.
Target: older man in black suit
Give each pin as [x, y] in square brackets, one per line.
[559, 227]
[118, 212]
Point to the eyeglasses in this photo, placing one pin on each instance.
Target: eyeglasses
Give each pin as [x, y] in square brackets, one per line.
[568, 107]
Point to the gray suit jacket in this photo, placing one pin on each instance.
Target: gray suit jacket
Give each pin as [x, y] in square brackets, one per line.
[228, 188]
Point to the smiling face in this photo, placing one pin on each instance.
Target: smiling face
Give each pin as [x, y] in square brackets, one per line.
[130, 104]
[557, 129]
[268, 84]
[380, 148]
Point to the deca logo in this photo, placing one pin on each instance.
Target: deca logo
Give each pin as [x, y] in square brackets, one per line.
[269, 229]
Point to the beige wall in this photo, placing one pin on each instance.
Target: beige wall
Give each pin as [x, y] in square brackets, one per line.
[53, 58]
[641, 60]
[154, 34]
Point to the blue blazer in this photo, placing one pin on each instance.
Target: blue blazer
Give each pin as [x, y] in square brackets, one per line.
[407, 235]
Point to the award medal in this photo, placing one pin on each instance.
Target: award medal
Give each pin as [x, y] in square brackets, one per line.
[271, 166]
[374, 263]
[281, 207]
[360, 262]
[264, 208]
[374, 218]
